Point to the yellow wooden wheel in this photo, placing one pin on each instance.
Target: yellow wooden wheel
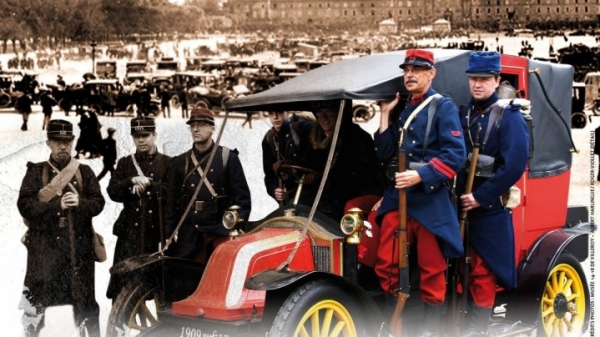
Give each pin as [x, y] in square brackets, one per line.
[320, 308]
[327, 318]
[565, 301]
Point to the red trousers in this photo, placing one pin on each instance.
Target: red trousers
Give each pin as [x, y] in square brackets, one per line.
[482, 281]
[367, 249]
[430, 260]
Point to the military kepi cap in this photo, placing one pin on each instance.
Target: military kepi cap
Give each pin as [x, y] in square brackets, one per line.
[142, 125]
[59, 129]
[483, 64]
[201, 115]
[419, 58]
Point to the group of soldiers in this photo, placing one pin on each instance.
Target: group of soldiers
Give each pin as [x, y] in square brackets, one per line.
[176, 204]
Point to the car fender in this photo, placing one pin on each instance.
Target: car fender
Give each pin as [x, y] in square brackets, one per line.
[533, 270]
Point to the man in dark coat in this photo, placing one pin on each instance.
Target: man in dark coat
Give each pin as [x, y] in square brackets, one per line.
[285, 143]
[23, 106]
[138, 183]
[58, 199]
[47, 102]
[201, 228]
[109, 153]
[355, 171]
[433, 159]
[505, 141]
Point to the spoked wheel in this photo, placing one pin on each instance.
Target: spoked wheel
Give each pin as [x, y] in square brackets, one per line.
[565, 302]
[175, 103]
[5, 100]
[134, 310]
[317, 308]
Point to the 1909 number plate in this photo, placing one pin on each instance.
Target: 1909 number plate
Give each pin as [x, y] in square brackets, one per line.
[191, 332]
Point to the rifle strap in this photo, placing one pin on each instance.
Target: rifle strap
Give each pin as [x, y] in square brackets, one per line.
[412, 116]
[430, 113]
[58, 183]
[201, 173]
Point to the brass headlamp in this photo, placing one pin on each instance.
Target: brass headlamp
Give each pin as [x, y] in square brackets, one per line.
[230, 220]
[351, 225]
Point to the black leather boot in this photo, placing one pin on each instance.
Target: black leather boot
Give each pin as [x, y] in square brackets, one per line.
[479, 321]
[432, 320]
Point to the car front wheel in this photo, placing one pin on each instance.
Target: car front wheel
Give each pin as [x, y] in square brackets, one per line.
[317, 308]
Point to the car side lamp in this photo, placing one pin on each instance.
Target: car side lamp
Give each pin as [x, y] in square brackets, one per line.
[351, 225]
[231, 219]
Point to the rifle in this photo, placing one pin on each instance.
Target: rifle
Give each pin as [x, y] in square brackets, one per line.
[403, 275]
[464, 232]
[76, 285]
[160, 217]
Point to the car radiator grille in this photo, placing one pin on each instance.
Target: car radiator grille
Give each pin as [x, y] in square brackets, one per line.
[322, 257]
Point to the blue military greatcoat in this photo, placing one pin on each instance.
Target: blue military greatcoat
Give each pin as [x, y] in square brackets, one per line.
[491, 231]
[428, 202]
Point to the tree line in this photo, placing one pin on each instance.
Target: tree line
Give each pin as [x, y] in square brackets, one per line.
[57, 22]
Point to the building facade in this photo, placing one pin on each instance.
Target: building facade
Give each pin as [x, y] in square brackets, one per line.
[416, 13]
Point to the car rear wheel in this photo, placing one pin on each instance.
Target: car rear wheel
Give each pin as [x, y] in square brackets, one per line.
[565, 304]
[98, 109]
[4, 100]
[317, 308]
[154, 110]
[134, 310]
[202, 104]
[175, 103]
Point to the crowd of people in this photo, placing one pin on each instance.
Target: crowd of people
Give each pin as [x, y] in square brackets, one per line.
[178, 202]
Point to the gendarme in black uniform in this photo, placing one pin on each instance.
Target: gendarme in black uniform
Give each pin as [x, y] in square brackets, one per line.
[138, 227]
[58, 199]
[202, 228]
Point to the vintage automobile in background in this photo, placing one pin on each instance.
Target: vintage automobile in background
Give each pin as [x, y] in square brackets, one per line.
[106, 96]
[295, 272]
[106, 69]
[204, 90]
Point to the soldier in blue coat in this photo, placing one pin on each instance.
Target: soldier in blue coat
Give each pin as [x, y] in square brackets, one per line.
[503, 154]
[435, 153]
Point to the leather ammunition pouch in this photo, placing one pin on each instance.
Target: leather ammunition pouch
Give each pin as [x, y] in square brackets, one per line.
[416, 165]
[217, 205]
[485, 165]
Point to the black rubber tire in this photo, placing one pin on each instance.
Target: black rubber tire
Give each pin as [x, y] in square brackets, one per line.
[98, 108]
[130, 298]
[578, 120]
[570, 266]
[5, 100]
[317, 293]
[202, 103]
[175, 103]
[154, 110]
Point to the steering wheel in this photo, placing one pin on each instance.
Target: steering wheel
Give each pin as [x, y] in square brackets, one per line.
[283, 168]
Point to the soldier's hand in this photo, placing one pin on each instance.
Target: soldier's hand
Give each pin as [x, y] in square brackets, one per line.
[388, 106]
[277, 165]
[377, 205]
[142, 181]
[468, 202]
[407, 179]
[280, 194]
[69, 200]
[137, 190]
